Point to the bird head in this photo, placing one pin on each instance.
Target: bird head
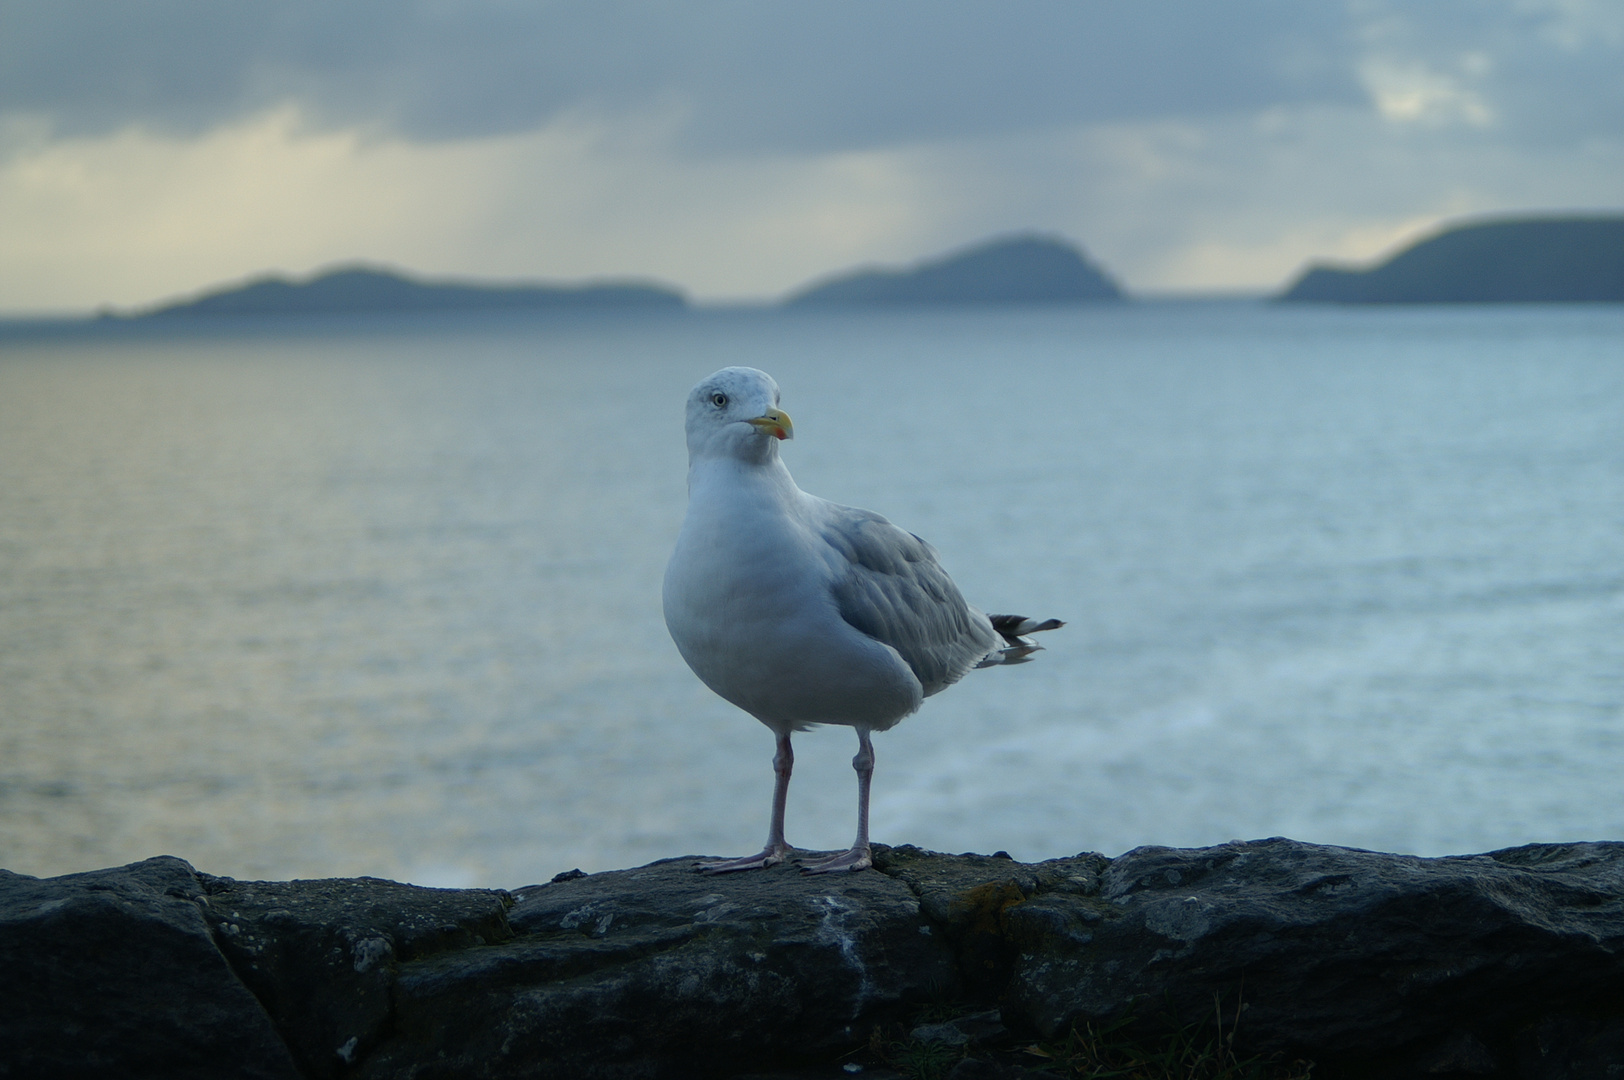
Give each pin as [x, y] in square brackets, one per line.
[735, 413]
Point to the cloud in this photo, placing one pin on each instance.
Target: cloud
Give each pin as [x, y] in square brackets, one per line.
[1536, 72]
[134, 216]
[739, 148]
[1412, 93]
[842, 74]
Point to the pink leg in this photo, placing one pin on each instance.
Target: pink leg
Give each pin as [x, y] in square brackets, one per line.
[777, 848]
[859, 857]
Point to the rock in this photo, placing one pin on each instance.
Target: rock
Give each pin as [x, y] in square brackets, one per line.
[1573, 1048]
[970, 898]
[1332, 953]
[630, 972]
[116, 973]
[972, 1068]
[947, 1034]
[322, 955]
[1507, 964]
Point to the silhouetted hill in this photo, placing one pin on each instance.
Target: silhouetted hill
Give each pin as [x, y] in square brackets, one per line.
[1017, 270]
[1552, 260]
[357, 289]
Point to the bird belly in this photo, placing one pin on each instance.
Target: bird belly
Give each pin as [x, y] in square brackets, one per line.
[751, 627]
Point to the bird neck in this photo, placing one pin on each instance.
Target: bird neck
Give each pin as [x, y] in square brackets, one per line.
[730, 473]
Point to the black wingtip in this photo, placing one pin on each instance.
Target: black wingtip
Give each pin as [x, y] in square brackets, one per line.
[1013, 627]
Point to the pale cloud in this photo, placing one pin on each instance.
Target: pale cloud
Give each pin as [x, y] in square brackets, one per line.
[132, 217]
[1578, 24]
[1411, 93]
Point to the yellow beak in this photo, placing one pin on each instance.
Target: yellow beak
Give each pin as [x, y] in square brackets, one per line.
[776, 424]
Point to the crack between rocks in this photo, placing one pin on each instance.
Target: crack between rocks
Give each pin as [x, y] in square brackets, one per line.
[201, 901]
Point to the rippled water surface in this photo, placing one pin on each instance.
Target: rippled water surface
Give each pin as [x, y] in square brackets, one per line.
[383, 598]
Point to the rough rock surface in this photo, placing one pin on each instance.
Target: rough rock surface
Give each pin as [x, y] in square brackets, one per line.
[1509, 964]
[116, 973]
[323, 956]
[1430, 965]
[616, 973]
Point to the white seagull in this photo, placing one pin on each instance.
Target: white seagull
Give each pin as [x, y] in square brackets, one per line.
[800, 611]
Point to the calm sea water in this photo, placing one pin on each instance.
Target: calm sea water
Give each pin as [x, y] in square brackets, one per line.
[383, 598]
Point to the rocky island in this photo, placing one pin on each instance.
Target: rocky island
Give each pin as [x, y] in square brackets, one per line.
[1012, 270]
[357, 289]
[1509, 964]
[1525, 260]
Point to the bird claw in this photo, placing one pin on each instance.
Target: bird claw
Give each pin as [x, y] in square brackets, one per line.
[855, 859]
[759, 861]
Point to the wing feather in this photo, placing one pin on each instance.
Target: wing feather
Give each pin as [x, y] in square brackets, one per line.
[892, 588]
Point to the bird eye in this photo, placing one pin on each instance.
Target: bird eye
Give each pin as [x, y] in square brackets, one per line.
[719, 400]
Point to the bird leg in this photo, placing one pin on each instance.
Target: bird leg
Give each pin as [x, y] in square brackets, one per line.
[777, 848]
[859, 857]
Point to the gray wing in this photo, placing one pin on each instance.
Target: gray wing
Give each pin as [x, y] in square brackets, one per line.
[893, 589]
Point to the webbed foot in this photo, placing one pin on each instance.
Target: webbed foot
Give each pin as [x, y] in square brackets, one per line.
[858, 858]
[768, 856]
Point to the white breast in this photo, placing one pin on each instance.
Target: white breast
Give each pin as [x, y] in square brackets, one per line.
[749, 605]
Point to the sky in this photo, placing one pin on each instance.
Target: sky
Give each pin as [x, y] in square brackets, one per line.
[740, 148]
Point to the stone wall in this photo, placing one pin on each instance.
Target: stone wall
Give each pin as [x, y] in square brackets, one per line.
[1506, 964]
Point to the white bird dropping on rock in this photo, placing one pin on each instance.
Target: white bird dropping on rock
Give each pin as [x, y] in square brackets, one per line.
[801, 611]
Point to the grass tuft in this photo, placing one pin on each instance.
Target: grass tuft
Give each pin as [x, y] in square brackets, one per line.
[914, 1059]
[1122, 1049]
[1190, 1052]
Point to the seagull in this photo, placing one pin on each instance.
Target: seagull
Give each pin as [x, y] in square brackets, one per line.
[801, 611]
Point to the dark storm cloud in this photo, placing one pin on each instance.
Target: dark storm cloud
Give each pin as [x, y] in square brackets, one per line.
[808, 76]
[756, 75]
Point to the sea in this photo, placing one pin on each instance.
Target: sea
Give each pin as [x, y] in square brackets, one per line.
[381, 596]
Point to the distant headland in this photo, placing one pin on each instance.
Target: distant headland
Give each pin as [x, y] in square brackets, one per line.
[361, 289]
[1012, 270]
[1024, 269]
[1511, 260]
[1529, 259]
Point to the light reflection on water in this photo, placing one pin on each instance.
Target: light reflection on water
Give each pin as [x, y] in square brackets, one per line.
[384, 598]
